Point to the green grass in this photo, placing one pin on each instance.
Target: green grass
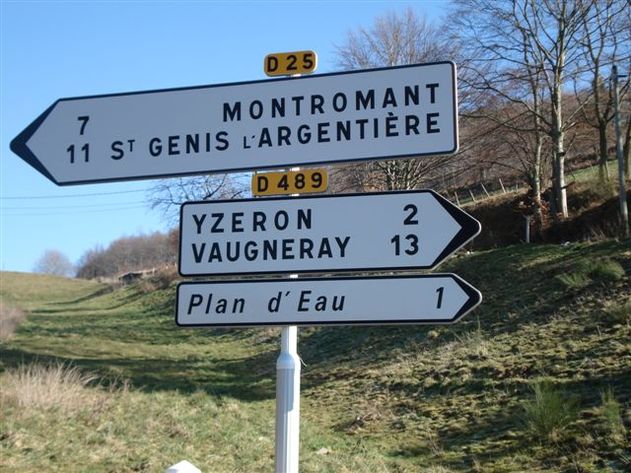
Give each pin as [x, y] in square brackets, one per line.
[374, 399]
[591, 270]
[550, 412]
[591, 174]
[34, 290]
[612, 417]
[606, 270]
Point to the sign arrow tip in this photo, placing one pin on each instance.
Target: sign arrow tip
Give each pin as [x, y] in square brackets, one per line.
[19, 147]
[469, 227]
[474, 297]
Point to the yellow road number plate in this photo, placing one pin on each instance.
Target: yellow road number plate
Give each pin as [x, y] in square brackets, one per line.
[290, 182]
[284, 64]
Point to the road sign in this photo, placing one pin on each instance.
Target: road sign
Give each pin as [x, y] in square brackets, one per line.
[436, 298]
[305, 181]
[373, 114]
[352, 232]
[297, 62]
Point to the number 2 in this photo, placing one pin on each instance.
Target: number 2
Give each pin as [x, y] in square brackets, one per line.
[410, 220]
[292, 62]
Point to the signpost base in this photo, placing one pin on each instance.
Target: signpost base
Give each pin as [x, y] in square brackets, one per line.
[288, 402]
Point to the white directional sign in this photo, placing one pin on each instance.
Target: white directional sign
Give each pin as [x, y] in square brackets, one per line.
[389, 230]
[437, 298]
[373, 114]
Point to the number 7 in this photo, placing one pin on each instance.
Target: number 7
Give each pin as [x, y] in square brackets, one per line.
[84, 121]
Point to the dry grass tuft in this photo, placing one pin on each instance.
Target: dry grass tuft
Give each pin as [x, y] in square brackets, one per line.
[49, 387]
[10, 319]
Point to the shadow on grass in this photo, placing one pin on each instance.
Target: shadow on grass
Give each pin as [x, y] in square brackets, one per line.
[486, 438]
[93, 295]
[121, 301]
[503, 433]
[517, 279]
[518, 286]
[246, 379]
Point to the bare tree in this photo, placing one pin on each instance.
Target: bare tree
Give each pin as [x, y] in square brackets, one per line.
[601, 47]
[554, 30]
[535, 42]
[392, 40]
[54, 262]
[625, 87]
[129, 253]
[168, 194]
[506, 91]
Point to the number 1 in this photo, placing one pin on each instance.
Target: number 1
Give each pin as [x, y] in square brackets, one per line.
[86, 152]
[440, 291]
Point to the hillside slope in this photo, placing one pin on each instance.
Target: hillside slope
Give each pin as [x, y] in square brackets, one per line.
[538, 378]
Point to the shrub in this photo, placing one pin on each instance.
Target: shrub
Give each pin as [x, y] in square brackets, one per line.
[576, 280]
[10, 319]
[161, 280]
[619, 313]
[612, 416]
[47, 387]
[549, 412]
[605, 270]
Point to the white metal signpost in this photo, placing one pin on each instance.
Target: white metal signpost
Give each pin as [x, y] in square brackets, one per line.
[359, 115]
[390, 230]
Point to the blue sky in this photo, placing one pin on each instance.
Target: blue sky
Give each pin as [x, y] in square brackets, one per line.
[51, 50]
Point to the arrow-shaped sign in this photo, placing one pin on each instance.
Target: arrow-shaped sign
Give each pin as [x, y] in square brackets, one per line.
[372, 114]
[431, 299]
[352, 232]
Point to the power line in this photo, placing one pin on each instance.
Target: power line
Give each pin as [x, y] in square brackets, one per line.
[71, 212]
[79, 206]
[68, 196]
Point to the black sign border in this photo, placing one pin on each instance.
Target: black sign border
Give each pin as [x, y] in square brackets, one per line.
[19, 147]
[475, 298]
[470, 228]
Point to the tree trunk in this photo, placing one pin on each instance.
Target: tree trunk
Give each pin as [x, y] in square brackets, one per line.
[536, 186]
[603, 173]
[626, 149]
[559, 181]
[558, 136]
[558, 176]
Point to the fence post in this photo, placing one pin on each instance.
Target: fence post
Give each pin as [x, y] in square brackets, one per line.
[502, 186]
[527, 217]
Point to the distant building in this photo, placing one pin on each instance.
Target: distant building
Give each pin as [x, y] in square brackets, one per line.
[132, 276]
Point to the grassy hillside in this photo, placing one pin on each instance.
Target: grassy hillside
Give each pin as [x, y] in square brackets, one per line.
[538, 378]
